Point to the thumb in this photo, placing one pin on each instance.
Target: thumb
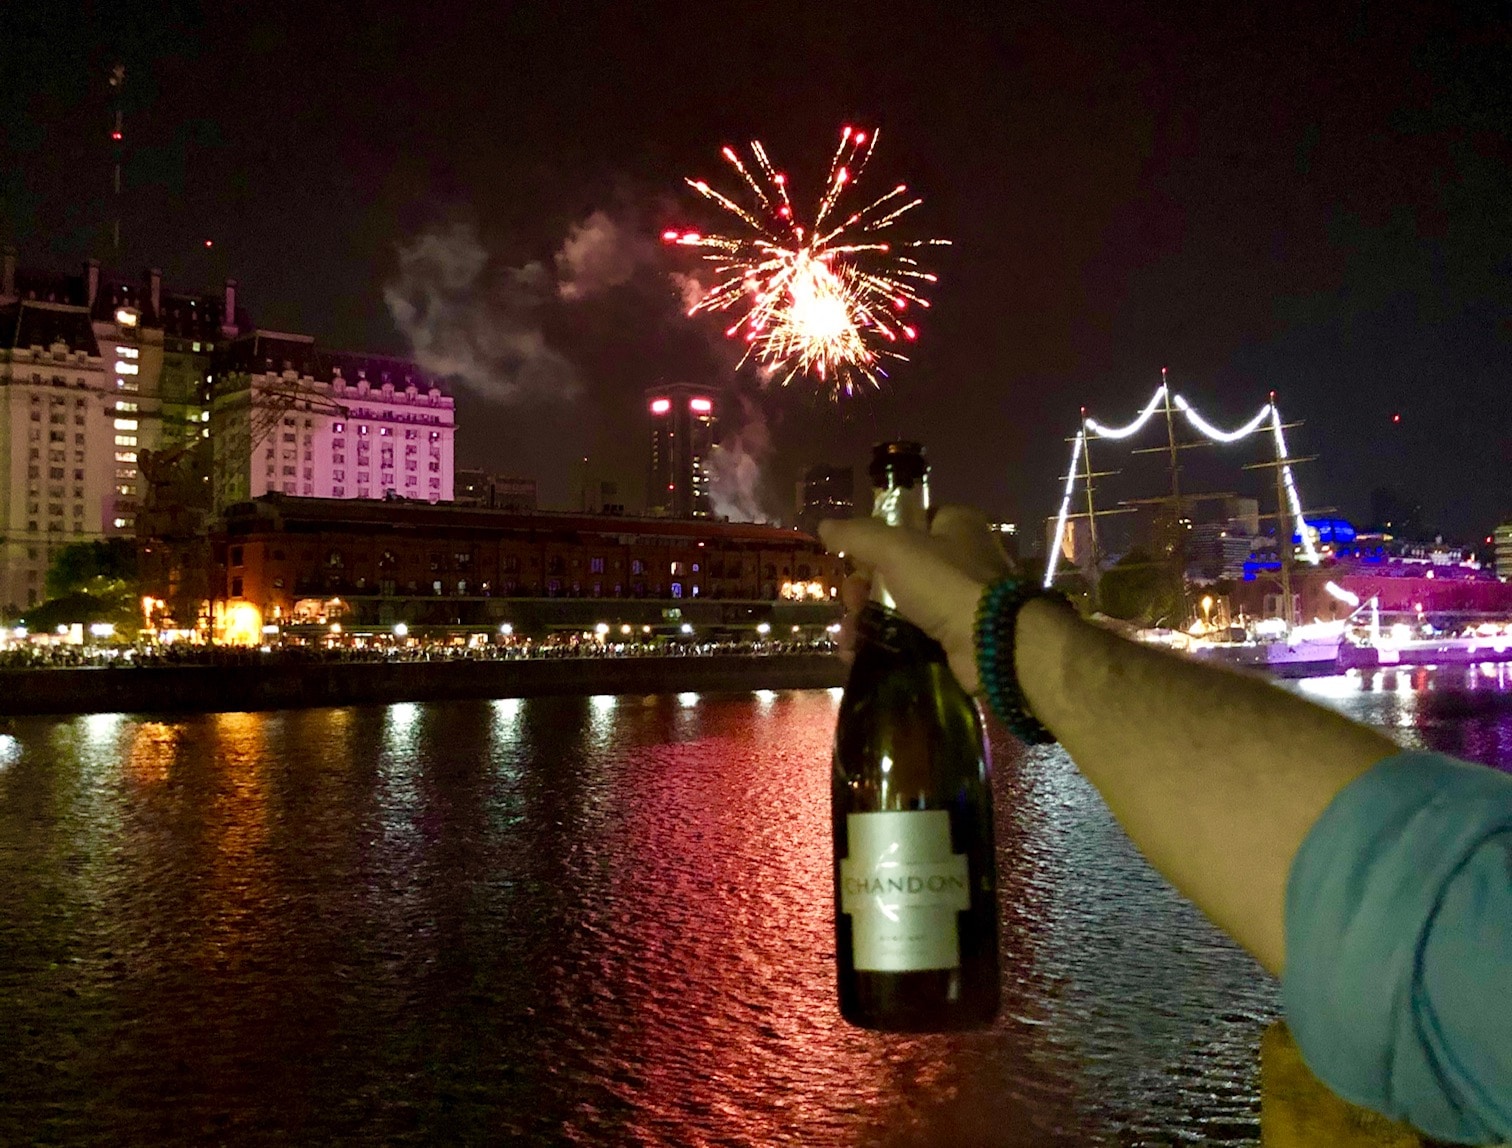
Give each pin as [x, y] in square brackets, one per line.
[863, 539]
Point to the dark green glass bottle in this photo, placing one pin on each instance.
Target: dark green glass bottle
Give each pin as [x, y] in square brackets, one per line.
[915, 875]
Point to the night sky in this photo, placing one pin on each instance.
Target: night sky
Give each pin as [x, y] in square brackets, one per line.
[1255, 197]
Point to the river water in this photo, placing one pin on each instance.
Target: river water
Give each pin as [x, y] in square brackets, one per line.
[582, 921]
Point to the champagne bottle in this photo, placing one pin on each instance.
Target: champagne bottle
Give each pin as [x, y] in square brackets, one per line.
[915, 875]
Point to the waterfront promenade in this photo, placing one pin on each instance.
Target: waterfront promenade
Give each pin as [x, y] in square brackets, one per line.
[234, 680]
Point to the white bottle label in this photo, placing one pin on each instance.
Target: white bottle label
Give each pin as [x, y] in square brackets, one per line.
[902, 887]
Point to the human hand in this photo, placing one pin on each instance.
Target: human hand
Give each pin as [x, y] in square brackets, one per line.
[936, 579]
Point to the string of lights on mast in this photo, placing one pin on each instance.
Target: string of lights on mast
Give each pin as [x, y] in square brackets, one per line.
[1268, 415]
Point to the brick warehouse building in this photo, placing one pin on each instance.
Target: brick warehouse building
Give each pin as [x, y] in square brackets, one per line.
[376, 563]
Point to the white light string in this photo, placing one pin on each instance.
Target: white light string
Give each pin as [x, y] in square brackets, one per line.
[1267, 413]
[1133, 428]
[1295, 502]
[1060, 522]
[1204, 427]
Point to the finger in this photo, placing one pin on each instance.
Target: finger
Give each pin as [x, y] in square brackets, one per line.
[854, 592]
[863, 539]
[973, 539]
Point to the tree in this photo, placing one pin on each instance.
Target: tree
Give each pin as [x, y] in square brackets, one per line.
[1139, 589]
[90, 582]
[83, 609]
[95, 568]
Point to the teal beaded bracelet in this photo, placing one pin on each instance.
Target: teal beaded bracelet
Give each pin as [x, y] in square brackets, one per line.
[996, 623]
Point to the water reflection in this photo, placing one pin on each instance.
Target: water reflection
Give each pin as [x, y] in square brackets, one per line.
[592, 920]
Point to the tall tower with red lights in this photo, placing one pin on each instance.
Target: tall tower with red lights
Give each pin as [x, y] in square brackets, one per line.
[684, 420]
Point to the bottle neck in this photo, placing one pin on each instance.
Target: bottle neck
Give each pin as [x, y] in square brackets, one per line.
[906, 506]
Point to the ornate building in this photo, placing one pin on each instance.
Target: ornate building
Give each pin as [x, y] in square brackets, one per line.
[287, 417]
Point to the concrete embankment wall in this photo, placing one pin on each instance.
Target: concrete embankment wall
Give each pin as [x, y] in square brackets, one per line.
[290, 685]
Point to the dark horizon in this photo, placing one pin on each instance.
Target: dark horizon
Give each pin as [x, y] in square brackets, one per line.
[1317, 204]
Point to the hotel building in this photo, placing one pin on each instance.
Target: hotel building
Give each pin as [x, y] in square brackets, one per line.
[289, 418]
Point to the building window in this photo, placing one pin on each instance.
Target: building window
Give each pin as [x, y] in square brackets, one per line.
[236, 555]
[677, 589]
[595, 565]
[338, 492]
[236, 587]
[637, 566]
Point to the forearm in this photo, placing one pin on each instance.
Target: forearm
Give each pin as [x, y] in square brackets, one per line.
[1217, 777]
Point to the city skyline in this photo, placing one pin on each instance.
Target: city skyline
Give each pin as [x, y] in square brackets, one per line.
[1321, 211]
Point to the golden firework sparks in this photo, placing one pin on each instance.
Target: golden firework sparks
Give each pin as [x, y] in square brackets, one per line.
[824, 300]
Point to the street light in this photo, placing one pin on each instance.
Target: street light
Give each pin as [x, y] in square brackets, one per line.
[506, 629]
[687, 627]
[400, 630]
[764, 628]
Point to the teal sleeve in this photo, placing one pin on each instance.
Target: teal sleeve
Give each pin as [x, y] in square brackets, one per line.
[1398, 983]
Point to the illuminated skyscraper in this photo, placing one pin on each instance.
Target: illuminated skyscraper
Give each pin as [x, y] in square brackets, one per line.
[683, 422]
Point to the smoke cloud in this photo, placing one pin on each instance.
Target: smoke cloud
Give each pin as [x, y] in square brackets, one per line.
[689, 288]
[599, 254]
[735, 467]
[470, 319]
[479, 325]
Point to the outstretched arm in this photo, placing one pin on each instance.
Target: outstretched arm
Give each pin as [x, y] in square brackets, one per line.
[1216, 776]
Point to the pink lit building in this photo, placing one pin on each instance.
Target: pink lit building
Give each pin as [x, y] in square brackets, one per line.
[289, 418]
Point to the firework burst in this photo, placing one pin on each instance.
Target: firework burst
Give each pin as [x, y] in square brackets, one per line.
[824, 299]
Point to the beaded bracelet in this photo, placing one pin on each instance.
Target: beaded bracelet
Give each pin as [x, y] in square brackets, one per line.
[996, 624]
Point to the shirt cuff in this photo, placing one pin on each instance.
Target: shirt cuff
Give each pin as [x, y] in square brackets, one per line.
[1398, 982]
